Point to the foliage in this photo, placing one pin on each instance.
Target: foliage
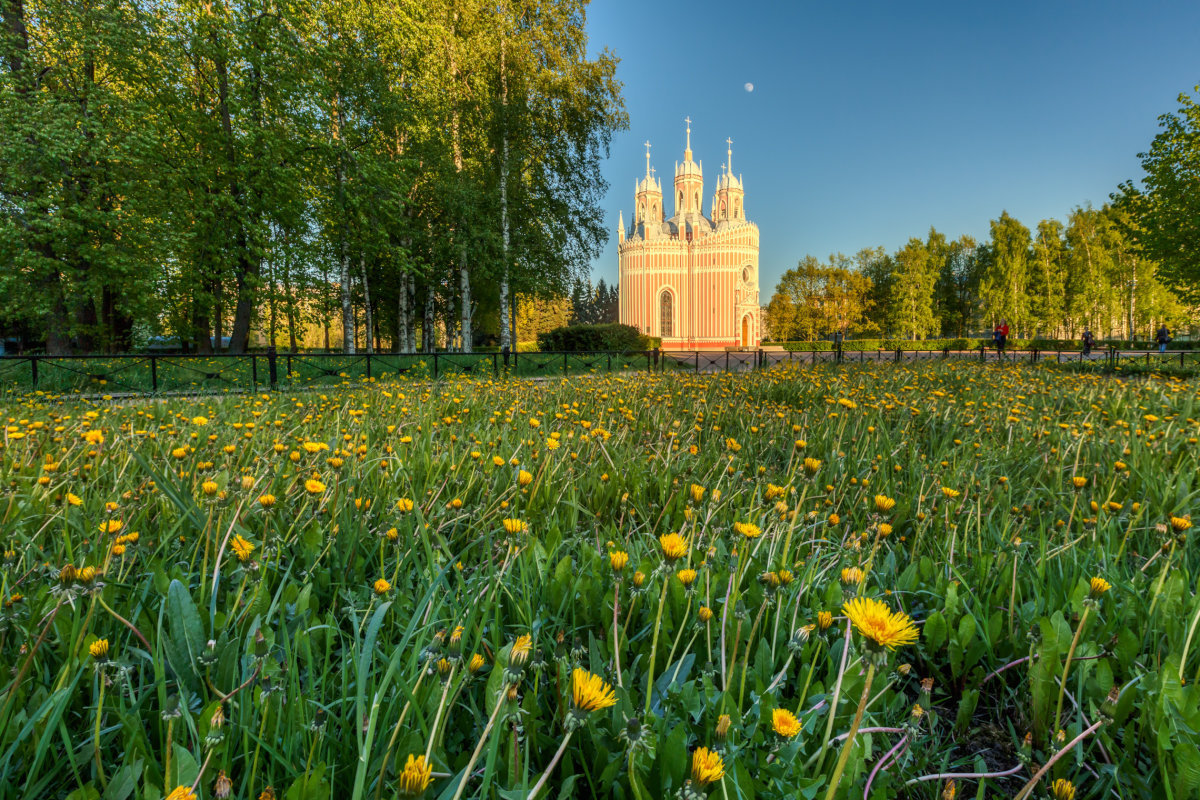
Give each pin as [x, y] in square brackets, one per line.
[814, 298]
[612, 336]
[536, 316]
[307, 591]
[226, 171]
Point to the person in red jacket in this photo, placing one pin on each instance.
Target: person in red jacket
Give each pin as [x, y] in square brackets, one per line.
[1003, 341]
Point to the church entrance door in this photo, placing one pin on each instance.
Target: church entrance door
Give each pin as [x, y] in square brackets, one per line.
[745, 331]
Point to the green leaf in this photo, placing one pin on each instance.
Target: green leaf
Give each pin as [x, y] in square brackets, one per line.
[935, 632]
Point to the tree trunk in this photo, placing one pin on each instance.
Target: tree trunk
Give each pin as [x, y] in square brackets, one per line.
[428, 335]
[464, 272]
[369, 321]
[411, 334]
[505, 311]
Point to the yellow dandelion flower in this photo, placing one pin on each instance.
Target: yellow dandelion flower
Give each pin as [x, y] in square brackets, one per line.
[99, 649]
[697, 493]
[1078, 481]
[747, 529]
[686, 576]
[415, 778]
[520, 650]
[111, 526]
[314, 486]
[618, 559]
[852, 576]
[1180, 524]
[381, 586]
[949, 493]
[674, 546]
[524, 478]
[199, 422]
[266, 500]
[705, 613]
[74, 499]
[879, 624]
[824, 620]
[1062, 789]
[707, 766]
[182, 792]
[1098, 586]
[209, 488]
[784, 723]
[513, 526]
[812, 465]
[589, 692]
[241, 548]
[404, 505]
[884, 504]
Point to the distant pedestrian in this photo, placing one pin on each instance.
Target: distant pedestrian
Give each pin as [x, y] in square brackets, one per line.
[1162, 337]
[1089, 341]
[1003, 335]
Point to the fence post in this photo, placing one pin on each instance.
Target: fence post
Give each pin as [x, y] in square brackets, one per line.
[271, 366]
[368, 366]
[504, 350]
[897, 355]
[289, 366]
[495, 364]
[566, 368]
[33, 371]
[609, 355]
[154, 374]
[253, 373]
[435, 371]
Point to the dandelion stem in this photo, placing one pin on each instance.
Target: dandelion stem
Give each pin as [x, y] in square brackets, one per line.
[537, 787]
[479, 745]
[746, 660]
[616, 635]
[662, 598]
[682, 628]
[837, 691]
[1067, 664]
[438, 717]
[858, 715]
[96, 738]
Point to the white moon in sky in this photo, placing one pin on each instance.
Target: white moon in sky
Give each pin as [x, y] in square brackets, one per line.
[749, 87]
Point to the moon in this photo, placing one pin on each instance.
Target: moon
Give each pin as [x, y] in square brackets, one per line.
[749, 87]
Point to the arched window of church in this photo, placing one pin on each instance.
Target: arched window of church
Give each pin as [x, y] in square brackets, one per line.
[679, 202]
[737, 208]
[722, 209]
[696, 200]
[666, 315]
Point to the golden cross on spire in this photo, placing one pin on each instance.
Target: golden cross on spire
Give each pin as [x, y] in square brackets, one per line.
[688, 120]
[647, 158]
[729, 153]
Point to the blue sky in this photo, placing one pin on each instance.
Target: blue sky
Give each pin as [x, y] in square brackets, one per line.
[870, 122]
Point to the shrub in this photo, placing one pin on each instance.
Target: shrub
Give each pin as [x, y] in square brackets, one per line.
[612, 336]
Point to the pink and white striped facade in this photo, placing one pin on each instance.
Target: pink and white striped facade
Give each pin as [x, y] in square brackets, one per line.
[691, 279]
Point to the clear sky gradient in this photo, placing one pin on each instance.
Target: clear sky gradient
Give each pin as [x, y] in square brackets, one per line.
[870, 122]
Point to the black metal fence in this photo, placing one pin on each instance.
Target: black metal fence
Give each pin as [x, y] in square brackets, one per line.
[253, 372]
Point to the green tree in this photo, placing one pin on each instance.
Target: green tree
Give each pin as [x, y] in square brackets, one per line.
[911, 299]
[1003, 289]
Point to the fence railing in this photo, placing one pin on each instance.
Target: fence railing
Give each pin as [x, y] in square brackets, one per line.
[253, 372]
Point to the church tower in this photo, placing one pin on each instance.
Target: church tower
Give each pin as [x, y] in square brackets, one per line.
[727, 202]
[648, 198]
[689, 280]
[689, 185]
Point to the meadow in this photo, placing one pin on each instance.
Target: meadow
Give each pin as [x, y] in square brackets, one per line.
[870, 580]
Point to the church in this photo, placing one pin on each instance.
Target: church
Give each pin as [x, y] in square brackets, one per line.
[690, 279]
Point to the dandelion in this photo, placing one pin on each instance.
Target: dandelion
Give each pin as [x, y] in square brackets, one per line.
[1062, 789]
[476, 663]
[381, 586]
[199, 422]
[784, 723]
[314, 486]
[686, 576]
[404, 505]
[884, 504]
[705, 613]
[524, 478]
[99, 649]
[747, 529]
[707, 766]
[774, 492]
[697, 493]
[415, 778]
[617, 559]
[589, 692]
[673, 545]
[1078, 481]
[949, 493]
[824, 620]
[111, 526]
[834, 519]
[812, 465]
[519, 652]
[852, 576]
[1098, 586]
[514, 526]
[266, 500]
[1180, 524]
[209, 488]
[880, 625]
[241, 548]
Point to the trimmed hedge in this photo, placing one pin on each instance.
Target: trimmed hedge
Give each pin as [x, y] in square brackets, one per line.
[1050, 345]
[612, 337]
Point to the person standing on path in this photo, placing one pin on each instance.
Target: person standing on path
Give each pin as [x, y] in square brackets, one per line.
[1003, 335]
[1089, 341]
[1162, 337]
